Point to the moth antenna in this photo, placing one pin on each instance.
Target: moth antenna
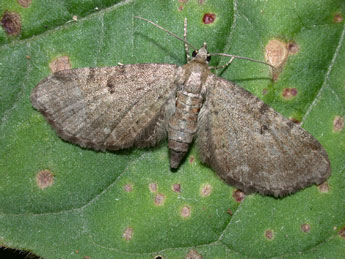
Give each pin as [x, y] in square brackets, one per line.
[239, 57]
[186, 49]
[163, 29]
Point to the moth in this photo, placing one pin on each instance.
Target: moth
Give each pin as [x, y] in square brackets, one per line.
[247, 143]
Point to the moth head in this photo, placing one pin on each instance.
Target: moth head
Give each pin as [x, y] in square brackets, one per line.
[201, 55]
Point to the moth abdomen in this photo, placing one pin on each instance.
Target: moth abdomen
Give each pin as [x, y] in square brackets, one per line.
[183, 125]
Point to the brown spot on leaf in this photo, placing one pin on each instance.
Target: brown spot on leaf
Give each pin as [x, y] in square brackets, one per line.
[269, 234]
[27, 57]
[182, 4]
[208, 18]
[342, 232]
[128, 187]
[338, 18]
[338, 123]
[159, 199]
[294, 120]
[128, 233]
[276, 54]
[176, 187]
[292, 48]
[153, 187]
[185, 212]
[191, 159]
[324, 187]
[44, 179]
[229, 211]
[58, 64]
[289, 93]
[206, 190]
[87, 257]
[238, 195]
[264, 91]
[11, 23]
[305, 227]
[193, 254]
[24, 3]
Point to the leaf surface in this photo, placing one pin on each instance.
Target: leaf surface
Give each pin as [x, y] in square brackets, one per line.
[128, 204]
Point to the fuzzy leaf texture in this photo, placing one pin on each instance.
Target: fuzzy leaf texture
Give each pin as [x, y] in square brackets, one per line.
[58, 200]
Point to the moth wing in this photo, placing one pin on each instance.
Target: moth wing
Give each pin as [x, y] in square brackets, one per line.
[111, 107]
[254, 148]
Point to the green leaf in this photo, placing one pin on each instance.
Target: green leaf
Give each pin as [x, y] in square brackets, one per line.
[128, 204]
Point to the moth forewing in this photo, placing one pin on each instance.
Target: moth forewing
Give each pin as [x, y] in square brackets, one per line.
[245, 142]
[109, 108]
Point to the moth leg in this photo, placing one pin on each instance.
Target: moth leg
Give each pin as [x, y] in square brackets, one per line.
[185, 38]
[223, 66]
